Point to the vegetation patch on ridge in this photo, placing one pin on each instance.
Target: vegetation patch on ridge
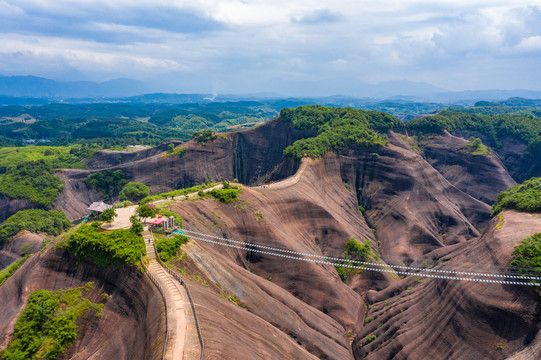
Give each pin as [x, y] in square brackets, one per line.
[353, 251]
[109, 182]
[336, 129]
[527, 255]
[118, 247]
[34, 220]
[169, 247]
[10, 270]
[523, 197]
[28, 172]
[227, 196]
[475, 147]
[179, 192]
[524, 128]
[47, 326]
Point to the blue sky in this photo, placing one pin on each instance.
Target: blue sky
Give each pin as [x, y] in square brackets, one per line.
[248, 46]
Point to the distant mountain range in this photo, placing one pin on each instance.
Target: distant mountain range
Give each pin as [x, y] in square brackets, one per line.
[38, 87]
[37, 90]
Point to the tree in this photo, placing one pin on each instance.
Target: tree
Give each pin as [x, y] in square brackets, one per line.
[171, 147]
[136, 226]
[133, 191]
[203, 136]
[108, 215]
[145, 211]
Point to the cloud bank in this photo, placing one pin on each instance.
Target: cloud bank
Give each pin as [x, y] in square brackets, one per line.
[246, 46]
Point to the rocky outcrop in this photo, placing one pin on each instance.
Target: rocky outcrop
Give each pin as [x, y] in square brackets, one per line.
[481, 176]
[127, 328]
[447, 319]
[315, 212]
[10, 206]
[412, 208]
[18, 246]
[248, 156]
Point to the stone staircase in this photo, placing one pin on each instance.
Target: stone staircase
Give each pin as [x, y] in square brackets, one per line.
[177, 301]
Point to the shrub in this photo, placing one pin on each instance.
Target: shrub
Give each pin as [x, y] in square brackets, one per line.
[523, 197]
[108, 215]
[226, 196]
[368, 340]
[353, 250]
[168, 248]
[527, 255]
[203, 136]
[133, 191]
[341, 272]
[34, 220]
[356, 251]
[145, 211]
[368, 319]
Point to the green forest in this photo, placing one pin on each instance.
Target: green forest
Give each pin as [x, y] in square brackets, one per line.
[335, 129]
[523, 197]
[80, 130]
[121, 124]
[36, 221]
[523, 128]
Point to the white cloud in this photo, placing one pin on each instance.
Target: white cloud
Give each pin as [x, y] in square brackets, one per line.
[532, 43]
[267, 39]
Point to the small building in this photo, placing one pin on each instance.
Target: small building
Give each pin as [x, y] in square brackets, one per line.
[99, 207]
[158, 221]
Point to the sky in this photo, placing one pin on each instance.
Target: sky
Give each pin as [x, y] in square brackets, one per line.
[247, 46]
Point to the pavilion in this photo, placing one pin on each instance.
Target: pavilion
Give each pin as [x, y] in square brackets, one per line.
[99, 207]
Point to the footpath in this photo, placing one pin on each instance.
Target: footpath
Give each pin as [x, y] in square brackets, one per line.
[182, 333]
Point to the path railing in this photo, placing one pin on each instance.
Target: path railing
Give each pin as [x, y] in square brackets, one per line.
[162, 293]
[183, 283]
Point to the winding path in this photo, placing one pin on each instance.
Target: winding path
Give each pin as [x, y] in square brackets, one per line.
[181, 324]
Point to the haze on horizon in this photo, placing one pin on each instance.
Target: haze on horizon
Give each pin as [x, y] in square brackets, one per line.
[238, 46]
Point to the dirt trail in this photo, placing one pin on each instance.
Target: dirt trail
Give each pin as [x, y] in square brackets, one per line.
[290, 181]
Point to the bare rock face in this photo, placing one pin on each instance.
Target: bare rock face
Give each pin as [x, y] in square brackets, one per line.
[247, 156]
[132, 325]
[313, 315]
[481, 176]
[445, 319]
[315, 212]
[10, 206]
[106, 159]
[410, 206]
[521, 164]
[17, 247]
